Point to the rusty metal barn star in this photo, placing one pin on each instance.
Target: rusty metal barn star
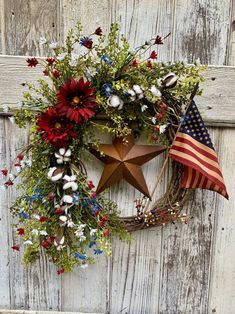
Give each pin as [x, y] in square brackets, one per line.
[124, 161]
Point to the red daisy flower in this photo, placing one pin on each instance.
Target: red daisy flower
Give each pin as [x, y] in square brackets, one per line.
[76, 100]
[153, 55]
[98, 31]
[55, 129]
[32, 62]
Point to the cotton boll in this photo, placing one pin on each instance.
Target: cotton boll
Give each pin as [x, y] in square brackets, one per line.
[68, 199]
[156, 92]
[114, 101]
[137, 89]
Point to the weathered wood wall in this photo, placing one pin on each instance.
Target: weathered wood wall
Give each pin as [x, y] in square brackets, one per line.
[175, 269]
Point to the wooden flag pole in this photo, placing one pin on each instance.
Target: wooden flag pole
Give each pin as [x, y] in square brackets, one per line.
[167, 157]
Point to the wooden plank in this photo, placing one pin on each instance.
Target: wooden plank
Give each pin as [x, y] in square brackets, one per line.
[186, 254]
[135, 267]
[40, 312]
[201, 30]
[87, 289]
[222, 283]
[97, 12]
[216, 103]
[38, 287]
[25, 21]
[4, 223]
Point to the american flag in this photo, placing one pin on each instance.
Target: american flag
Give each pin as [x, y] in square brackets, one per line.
[193, 148]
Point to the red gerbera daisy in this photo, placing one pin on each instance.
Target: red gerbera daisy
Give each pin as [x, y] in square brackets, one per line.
[55, 129]
[76, 100]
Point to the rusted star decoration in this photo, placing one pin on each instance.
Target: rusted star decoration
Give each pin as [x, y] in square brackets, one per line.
[123, 161]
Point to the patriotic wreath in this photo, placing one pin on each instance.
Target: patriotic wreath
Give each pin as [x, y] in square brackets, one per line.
[96, 84]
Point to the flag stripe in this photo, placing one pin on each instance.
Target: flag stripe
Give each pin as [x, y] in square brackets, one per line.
[190, 160]
[185, 137]
[205, 161]
[184, 159]
[193, 148]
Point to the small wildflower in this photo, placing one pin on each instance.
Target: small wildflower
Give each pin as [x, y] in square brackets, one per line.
[153, 55]
[50, 61]
[59, 211]
[9, 182]
[56, 74]
[86, 42]
[158, 40]
[4, 172]
[20, 231]
[45, 72]
[60, 271]
[149, 64]
[134, 63]
[98, 31]
[90, 185]
[16, 247]
[106, 59]
[98, 251]
[32, 62]
[23, 215]
[80, 256]
[107, 89]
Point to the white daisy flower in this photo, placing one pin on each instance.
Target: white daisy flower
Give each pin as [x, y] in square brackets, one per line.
[70, 182]
[55, 174]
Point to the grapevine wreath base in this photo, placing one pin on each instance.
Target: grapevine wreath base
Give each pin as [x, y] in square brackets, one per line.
[88, 78]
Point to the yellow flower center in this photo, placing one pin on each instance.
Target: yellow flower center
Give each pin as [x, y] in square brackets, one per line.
[76, 100]
[57, 125]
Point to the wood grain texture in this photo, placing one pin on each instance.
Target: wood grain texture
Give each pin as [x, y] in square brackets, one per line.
[38, 287]
[201, 30]
[222, 283]
[25, 21]
[216, 104]
[5, 296]
[87, 289]
[186, 254]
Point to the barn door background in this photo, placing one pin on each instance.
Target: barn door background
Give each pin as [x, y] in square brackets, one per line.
[175, 269]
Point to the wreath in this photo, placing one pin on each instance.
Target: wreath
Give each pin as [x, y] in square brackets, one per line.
[93, 84]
